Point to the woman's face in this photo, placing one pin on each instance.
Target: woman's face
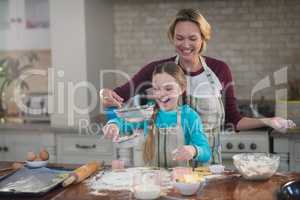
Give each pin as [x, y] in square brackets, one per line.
[166, 91]
[187, 40]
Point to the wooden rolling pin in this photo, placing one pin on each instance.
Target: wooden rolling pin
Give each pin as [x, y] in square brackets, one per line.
[82, 173]
[14, 166]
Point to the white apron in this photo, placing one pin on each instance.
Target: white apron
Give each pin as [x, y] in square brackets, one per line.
[211, 111]
[166, 141]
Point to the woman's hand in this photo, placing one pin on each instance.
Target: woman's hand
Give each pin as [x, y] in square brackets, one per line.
[109, 98]
[280, 124]
[111, 131]
[184, 153]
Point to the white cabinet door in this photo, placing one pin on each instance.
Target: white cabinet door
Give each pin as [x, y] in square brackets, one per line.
[1, 147]
[34, 26]
[72, 148]
[24, 24]
[295, 153]
[9, 152]
[8, 32]
[19, 143]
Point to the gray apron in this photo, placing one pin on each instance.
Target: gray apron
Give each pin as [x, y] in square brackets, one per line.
[211, 111]
[166, 141]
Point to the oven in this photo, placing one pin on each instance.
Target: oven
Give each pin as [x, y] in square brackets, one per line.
[254, 141]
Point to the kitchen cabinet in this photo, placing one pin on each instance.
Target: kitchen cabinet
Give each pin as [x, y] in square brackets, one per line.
[24, 24]
[281, 148]
[287, 146]
[295, 153]
[7, 152]
[73, 148]
[14, 145]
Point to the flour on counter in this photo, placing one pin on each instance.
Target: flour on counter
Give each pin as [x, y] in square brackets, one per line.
[124, 180]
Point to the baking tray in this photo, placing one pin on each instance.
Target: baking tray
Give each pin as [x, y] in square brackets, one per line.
[32, 182]
[7, 173]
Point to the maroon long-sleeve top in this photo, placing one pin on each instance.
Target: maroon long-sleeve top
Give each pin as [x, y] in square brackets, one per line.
[142, 81]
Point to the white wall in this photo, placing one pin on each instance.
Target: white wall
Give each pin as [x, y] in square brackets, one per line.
[99, 45]
[81, 44]
[68, 57]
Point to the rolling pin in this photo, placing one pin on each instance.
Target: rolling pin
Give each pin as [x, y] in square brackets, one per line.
[15, 166]
[82, 173]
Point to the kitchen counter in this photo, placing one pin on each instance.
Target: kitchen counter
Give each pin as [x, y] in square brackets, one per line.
[44, 127]
[294, 132]
[94, 128]
[26, 126]
[232, 187]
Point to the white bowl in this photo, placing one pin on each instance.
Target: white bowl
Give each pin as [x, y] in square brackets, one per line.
[187, 189]
[37, 163]
[147, 191]
[256, 166]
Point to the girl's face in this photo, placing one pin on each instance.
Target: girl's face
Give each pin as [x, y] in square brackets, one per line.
[166, 91]
[187, 40]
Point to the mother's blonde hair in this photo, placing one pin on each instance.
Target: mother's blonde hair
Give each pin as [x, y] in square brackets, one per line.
[191, 15]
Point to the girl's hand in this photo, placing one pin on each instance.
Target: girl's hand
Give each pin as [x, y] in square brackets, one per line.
[184, 153]
[109, 98]
[111, 131]
[281, 124]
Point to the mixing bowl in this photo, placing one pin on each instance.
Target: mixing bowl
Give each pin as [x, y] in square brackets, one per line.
[256, 166]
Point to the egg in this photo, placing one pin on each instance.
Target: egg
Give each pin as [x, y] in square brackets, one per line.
[31, 156]
[44, 155]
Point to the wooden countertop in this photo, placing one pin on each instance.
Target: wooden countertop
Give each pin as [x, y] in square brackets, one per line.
[231, 187]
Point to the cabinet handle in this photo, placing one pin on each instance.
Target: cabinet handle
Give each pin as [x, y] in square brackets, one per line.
[5, 149]
[79, 146]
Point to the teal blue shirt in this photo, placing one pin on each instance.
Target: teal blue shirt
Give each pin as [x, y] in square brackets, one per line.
[190, 122]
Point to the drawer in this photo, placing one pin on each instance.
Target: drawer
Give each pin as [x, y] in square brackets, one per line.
[80, 159]
[70, 144]
[82, 149]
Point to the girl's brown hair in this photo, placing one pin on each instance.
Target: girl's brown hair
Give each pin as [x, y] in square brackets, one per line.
[176, 72]
[191, 15]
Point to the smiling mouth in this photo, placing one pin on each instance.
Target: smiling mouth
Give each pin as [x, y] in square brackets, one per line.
[164, 100]
[186, 51]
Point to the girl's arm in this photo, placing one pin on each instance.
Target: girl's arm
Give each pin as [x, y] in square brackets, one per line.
[127, 127]
[195, 136]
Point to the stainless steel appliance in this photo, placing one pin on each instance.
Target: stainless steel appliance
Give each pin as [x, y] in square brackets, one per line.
[255, 141]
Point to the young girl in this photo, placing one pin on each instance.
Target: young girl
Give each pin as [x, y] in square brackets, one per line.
[175, 134]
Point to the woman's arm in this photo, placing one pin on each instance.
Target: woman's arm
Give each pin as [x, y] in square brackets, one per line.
[277, 123]
[232, 115]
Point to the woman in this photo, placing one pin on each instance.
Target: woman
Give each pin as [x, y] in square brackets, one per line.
[173, 128]
[208, 80]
